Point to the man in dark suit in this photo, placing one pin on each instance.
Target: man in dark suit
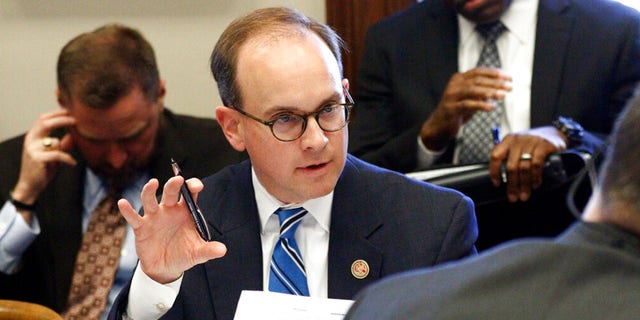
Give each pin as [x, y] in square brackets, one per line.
[419, 85]
[112, 132]
[589, 272]
[286, 103]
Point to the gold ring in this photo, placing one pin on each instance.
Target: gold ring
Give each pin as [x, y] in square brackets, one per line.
[526, 156]
[47, 142]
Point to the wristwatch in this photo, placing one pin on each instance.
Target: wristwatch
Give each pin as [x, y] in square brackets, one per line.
[21, 205]
[571, 129]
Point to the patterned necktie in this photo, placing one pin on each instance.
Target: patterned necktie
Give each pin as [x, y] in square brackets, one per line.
[97, 261]
[477, 140]
[287, 269]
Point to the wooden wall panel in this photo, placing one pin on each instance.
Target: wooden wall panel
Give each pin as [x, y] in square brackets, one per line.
[351, 18]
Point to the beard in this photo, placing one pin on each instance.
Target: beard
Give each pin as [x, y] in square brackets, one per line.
[119, 179]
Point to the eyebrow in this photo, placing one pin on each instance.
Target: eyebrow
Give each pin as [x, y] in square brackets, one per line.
[280, 109]
[129, 136]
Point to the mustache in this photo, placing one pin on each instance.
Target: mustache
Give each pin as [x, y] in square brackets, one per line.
[119, 179]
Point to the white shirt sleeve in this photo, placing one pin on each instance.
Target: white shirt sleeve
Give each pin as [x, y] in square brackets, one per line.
[149, 299]
[426, 157]
[15, 237]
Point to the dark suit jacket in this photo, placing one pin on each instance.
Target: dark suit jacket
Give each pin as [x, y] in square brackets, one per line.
[196, 143]
[586, 65]
[590, 272]
[382, 217]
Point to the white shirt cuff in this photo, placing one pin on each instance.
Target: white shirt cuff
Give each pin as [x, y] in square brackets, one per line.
[426, 157]
[15, 237]
[149, 299]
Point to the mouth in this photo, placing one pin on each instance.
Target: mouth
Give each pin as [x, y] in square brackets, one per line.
[314, 167]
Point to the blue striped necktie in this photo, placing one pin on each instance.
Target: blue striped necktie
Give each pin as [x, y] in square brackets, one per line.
[287, 269]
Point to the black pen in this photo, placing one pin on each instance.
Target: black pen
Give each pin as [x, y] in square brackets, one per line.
[198, 218]
[495, 131]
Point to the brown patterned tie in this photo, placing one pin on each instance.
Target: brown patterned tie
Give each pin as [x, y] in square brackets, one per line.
[97, 261]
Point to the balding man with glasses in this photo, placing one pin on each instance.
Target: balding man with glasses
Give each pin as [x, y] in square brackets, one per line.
[301, 216]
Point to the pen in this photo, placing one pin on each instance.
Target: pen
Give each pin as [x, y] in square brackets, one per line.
[196, 214]
[495, 131]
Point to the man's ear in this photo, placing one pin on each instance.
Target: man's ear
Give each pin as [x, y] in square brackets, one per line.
[161, 93]
[231, 125]
[61, 101]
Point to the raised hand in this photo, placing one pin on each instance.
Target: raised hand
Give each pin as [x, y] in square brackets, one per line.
[167, 242]
[465, 94]
[42, 155]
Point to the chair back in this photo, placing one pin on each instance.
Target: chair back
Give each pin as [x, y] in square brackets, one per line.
[20, 310]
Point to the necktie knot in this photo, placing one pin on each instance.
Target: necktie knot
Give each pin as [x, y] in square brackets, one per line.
[491, 31]
[289, 221]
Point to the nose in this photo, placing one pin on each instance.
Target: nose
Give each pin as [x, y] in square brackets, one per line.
[116, 155]
[313, 137]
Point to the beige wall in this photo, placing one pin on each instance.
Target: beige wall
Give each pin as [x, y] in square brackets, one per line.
[183, 33]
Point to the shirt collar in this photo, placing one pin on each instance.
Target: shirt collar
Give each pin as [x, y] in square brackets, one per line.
[318, 208]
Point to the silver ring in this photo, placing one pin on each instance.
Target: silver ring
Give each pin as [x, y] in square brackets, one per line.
[47, 142]
[526, 156]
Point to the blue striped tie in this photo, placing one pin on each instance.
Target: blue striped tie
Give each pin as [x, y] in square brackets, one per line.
[287, 269]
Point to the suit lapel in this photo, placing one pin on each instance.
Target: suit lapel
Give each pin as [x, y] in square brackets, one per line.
[441, 24]
[237, 225]
[553, 31]
[62, 214]
[353, 220]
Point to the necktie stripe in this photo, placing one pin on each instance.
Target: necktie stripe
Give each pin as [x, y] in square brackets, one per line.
[287, 273]
[293, 254]
[288, 284]
[289, 222]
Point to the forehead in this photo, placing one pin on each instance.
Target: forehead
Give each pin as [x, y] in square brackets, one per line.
[129, 114]
[286, 68]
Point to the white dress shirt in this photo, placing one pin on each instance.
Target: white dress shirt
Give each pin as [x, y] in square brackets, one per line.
[150, 300]
[516, 47]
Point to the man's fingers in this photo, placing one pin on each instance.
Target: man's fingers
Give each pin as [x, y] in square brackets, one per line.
[49, 121]
[129, 213]
[195, 186]
[211, 250]
[494, 73]
[171, 191]
[148, 197]
[58, 156]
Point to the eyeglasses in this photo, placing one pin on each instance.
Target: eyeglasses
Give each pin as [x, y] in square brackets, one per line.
[289, 126]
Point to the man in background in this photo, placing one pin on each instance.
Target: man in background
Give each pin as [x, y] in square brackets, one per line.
[551, 75]
[110, 135]
[589, 272]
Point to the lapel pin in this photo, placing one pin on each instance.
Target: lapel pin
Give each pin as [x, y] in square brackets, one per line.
[360, 269]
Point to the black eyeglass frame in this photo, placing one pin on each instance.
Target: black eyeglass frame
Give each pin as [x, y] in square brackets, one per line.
[348, 106]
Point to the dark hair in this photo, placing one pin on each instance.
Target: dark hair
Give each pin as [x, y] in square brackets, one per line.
[620, 174]
[275, 21]
[100, 67]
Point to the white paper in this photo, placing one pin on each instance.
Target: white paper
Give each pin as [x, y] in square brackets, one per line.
[271, 305]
